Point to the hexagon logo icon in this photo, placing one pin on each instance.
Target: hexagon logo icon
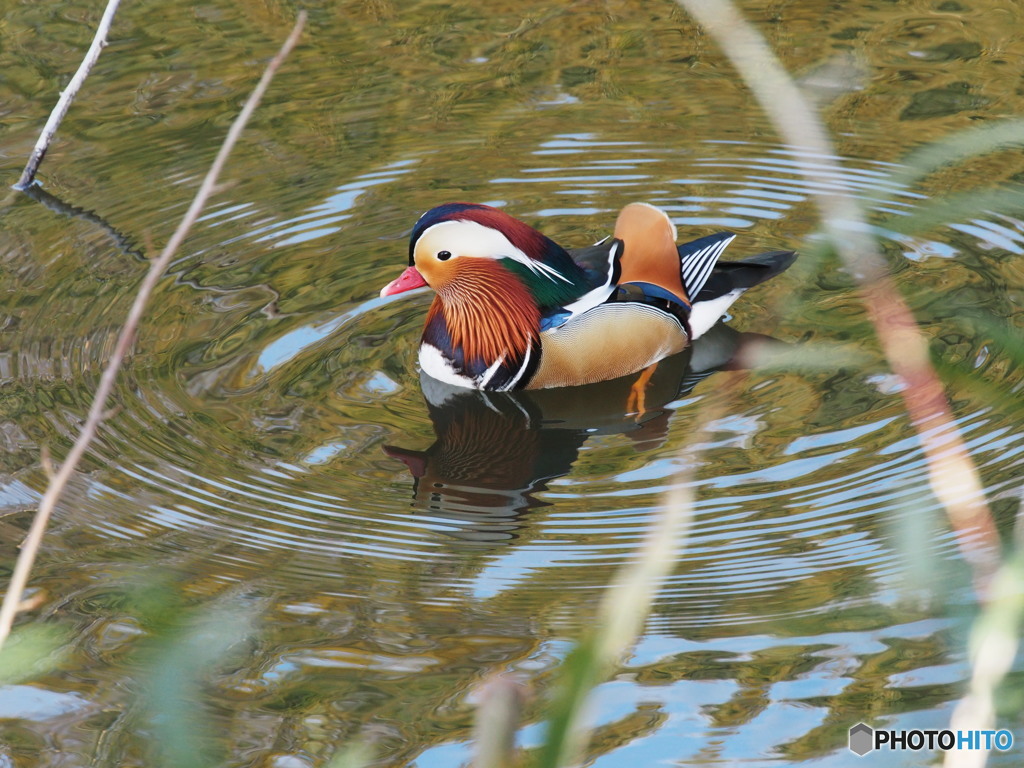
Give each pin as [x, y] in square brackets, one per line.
[862, 739]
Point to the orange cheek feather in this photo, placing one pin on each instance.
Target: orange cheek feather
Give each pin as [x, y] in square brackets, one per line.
[487, 310]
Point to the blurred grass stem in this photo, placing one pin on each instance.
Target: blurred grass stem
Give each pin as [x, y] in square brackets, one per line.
[619, 622]
[992, 648]
[952, 475]
[97, 411]
[494, 732]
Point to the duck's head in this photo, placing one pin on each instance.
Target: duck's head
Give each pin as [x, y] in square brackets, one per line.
[464, 249]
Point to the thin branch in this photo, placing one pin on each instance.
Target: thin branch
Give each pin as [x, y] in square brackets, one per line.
[97, 410]
[951, 472]
[99, 42]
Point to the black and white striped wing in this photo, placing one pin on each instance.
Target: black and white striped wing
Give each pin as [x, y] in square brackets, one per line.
[697, 259]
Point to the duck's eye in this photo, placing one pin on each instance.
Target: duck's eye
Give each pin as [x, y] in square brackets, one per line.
[444, 255]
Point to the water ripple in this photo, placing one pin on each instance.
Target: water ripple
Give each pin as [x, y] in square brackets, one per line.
[264, 428]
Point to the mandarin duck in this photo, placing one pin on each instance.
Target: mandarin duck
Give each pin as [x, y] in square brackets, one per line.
[514, 310]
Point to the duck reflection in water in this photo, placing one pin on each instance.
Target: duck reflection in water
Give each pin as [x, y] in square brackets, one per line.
[496, 450]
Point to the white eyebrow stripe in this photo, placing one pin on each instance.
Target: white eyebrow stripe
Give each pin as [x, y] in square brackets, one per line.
[469, 238]
[541, 268]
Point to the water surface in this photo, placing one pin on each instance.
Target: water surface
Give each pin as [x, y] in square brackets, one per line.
[274, 453]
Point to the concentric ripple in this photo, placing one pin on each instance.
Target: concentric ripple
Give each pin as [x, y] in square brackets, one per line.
[270, 404]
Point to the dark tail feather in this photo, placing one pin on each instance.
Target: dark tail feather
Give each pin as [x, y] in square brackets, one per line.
[729, 275]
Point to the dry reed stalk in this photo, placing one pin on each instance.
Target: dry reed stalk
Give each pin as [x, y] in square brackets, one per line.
[97, 411]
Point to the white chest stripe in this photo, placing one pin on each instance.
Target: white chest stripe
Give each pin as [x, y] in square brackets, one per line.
[522, 369]
[437, 366]
[484, 379]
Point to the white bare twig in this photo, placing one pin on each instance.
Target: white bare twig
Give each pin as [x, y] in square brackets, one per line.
[97, 410]
[99, 42]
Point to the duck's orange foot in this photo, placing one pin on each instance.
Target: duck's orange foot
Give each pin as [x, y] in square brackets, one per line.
[636, 403]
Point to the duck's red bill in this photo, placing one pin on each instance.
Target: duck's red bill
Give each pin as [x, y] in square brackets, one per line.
[407, 281]
[416, 461]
